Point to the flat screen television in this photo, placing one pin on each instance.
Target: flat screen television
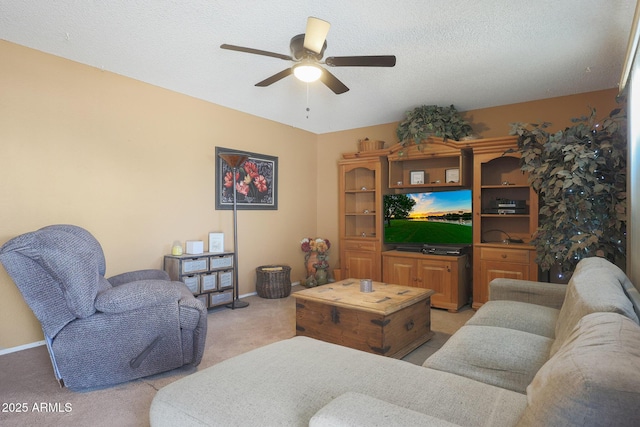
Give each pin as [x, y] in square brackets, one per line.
[442, 218]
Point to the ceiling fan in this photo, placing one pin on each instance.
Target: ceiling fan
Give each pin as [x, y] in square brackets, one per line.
[307, 50]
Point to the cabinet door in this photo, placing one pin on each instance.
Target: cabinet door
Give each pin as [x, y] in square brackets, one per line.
[490, 270]
[435, 275]
[361, 265]
[399, 271]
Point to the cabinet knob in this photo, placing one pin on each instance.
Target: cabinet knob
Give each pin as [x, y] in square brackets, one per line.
[503, 256]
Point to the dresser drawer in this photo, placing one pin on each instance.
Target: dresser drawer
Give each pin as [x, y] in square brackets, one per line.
[507, 255]
[224, 261]
[225, 279]
[208, 282]
[193, 283]
[219, 298]
[194, 265]
[352, 245]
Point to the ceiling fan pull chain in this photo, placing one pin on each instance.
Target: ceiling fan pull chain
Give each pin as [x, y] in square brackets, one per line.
[308, 109]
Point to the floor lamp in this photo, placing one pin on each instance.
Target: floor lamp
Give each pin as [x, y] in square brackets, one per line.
[234, 160]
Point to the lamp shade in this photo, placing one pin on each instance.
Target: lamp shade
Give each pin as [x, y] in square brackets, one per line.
[233, 159]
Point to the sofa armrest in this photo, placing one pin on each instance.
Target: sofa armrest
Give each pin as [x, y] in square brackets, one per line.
[133, 276]
[541, 293]
[135, 295]
[359, 410]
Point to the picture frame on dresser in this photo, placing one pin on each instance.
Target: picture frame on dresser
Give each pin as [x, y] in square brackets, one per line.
[216, 242]
[256, 182]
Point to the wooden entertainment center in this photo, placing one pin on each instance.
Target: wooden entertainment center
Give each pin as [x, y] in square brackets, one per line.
[501, 233]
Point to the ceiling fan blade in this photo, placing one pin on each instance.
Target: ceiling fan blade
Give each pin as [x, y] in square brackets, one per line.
[332, 82]
[255, 51]
[279, 76]
[315, 34]
[361, 61]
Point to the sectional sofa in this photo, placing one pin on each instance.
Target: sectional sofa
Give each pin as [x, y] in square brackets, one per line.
[537, 354]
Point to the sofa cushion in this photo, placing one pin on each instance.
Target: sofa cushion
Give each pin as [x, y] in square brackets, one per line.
[501, 357]
[595, 286]
[593, 379]
[287, 382]
[359, 410]
[522, 316]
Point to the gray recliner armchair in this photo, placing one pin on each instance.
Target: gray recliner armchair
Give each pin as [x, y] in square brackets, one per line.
[101, 332]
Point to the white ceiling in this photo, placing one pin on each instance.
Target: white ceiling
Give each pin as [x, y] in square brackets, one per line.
[470, 53]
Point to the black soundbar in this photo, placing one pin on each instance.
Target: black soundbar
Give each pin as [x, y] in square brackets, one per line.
[435, 249]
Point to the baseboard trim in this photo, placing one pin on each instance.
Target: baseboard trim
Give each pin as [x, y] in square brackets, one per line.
[21, 347]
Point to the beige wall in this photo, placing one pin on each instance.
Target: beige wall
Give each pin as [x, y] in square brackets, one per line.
[134, 164]
[492, 122]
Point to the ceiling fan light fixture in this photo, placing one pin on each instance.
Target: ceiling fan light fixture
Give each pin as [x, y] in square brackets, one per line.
[307, 71]
[307, 51]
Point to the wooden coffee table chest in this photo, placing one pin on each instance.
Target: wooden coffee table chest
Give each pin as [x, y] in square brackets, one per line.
[391, 321]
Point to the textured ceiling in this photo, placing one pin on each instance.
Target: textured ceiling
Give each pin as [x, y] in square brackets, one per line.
[473, 54]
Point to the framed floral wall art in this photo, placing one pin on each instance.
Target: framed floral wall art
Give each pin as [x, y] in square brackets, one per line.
[256, 183]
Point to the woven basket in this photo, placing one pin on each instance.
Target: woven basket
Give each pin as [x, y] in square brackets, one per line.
[273, 281]
[370, 145]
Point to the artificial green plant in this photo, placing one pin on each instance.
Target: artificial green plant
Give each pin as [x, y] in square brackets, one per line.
[580, 176]
[432, 120]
